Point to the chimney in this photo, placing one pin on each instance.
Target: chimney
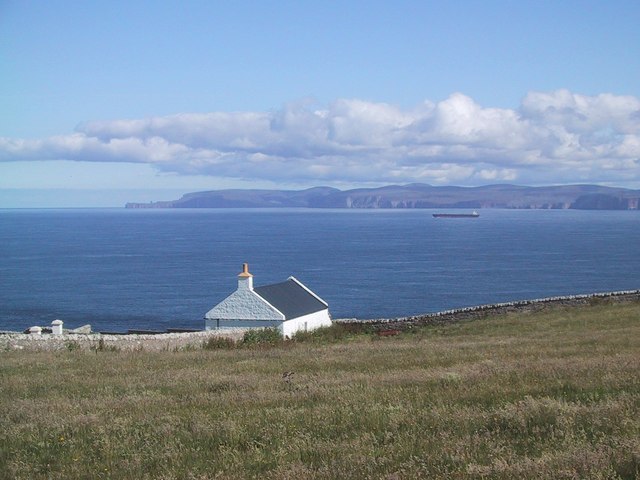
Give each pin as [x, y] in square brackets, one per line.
[56, 327]
[245, 279]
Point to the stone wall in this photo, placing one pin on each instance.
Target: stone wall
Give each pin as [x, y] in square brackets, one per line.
[97, 341]
[481, 311]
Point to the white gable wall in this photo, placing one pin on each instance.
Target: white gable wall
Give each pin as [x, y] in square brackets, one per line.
[306, 323]
[243, 304]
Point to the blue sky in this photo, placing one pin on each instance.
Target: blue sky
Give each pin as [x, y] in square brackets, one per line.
[105, 102]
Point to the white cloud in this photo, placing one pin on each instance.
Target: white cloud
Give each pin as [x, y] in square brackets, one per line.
[583, 114]
[555, 137]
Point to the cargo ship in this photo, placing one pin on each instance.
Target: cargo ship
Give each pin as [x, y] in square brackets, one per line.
[474, 214]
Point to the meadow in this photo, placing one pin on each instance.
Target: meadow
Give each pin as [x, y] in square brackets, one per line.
[554, 395]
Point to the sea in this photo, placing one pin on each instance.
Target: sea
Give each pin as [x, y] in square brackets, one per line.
[120, 269]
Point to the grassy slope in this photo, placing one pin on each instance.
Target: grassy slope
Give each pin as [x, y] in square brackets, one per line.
[552, 395]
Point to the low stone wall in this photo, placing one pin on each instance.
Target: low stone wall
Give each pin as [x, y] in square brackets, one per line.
[180, 341]
[481, 311]
[98, 341]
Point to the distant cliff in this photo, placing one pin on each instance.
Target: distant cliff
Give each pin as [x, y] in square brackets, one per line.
[416, 195]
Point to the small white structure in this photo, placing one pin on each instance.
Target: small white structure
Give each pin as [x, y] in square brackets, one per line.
[289, 306]
[35, 330]
[56, 327]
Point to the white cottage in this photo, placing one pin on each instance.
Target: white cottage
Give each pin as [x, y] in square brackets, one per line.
[288, 306]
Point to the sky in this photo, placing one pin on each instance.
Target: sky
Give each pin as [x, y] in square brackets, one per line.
[105, 102]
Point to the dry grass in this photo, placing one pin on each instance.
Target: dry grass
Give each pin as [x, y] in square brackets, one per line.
[552, 395]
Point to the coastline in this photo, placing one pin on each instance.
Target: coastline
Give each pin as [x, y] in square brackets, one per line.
[195, 340]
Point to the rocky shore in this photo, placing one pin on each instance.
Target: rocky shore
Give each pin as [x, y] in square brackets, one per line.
[195, 340]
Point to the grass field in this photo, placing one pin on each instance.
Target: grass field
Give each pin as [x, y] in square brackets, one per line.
[548, 395]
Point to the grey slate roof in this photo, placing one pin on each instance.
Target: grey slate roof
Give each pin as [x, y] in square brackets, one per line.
[291, 298]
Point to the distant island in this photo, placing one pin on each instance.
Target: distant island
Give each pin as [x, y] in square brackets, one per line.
[415, 195]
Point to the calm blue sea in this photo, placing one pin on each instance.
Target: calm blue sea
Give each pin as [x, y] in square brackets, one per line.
[152, 269]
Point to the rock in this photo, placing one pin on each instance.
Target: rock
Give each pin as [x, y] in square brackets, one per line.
[85, 329]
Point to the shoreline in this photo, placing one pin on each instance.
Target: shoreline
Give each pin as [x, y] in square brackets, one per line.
[181, 341]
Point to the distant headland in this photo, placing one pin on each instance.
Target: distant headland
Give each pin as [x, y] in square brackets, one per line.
[415, 195]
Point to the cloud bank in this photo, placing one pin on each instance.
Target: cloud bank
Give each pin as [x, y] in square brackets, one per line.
[554, 137]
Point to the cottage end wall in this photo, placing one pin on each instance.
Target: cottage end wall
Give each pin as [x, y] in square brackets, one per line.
[243, 304]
